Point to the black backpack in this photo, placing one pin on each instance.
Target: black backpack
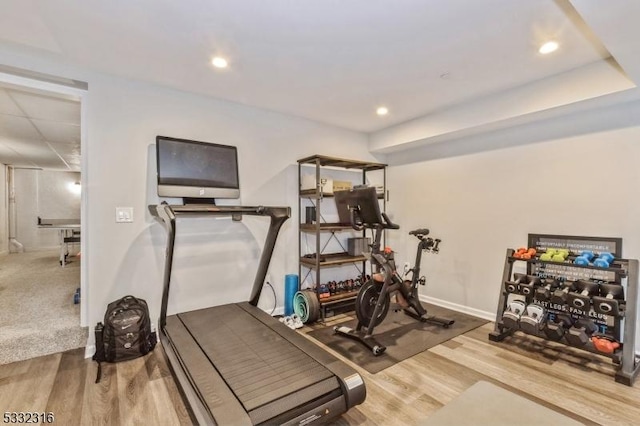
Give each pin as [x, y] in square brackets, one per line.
[126, 332]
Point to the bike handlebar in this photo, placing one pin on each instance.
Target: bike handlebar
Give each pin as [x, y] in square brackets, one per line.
[389, 224]
[354, 223]
[436, 247]
[358, 225]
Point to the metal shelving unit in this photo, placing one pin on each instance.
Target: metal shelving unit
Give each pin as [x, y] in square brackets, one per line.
[311, 267]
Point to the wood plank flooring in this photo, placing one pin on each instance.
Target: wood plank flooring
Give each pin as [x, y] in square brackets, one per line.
[572, 382]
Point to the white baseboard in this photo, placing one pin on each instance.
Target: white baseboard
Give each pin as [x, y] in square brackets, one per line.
[459, 308]
[89, 350]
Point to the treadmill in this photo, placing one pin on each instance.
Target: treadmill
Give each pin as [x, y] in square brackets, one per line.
[236, 364]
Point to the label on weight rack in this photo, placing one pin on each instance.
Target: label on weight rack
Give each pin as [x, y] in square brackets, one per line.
[598, 318]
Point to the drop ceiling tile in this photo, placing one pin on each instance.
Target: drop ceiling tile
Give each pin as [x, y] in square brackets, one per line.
[73, 162]
[10, 157]
[12, 127]
[4, 149]
[20, 162]
[48, 136]
[7, 105]
[7, 156]
[58, 132]
[65, 148]
[51, 163]
[47, 107]
[26, 147]
[45, 159]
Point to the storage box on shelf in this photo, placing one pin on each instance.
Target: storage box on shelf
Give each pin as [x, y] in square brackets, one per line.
[573, 295]
[316, 189]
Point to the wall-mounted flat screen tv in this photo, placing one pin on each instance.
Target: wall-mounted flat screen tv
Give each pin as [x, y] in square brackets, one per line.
[196, 170]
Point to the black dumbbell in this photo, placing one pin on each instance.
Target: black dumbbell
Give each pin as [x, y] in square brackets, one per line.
[533, 319]
[580, 334]
[514, 286]
[529, 287]
[581, 297]
[555, 328]
[511, 316]
[543, 293]
[559, 295]
[610, 301]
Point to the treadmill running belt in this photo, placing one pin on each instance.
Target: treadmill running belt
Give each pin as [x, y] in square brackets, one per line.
[257, 363]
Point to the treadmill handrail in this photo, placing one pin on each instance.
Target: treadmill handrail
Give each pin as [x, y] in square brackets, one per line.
[167, 213]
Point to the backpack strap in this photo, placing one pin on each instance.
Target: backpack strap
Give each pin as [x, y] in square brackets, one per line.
[98, 356]
[99, 375]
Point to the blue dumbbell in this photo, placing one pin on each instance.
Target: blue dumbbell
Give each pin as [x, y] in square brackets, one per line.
[584, 258]
[604, 260]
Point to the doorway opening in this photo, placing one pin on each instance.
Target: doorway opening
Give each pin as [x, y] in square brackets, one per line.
[42, 225]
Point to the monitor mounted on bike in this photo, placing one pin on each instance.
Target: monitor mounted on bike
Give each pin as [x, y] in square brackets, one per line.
[359, 208]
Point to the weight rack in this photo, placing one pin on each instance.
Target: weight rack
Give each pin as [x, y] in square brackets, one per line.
[624, 328]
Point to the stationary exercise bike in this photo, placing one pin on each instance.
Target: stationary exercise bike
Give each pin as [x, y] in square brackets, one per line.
[374, 297]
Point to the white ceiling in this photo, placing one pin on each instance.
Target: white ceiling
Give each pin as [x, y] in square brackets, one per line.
[39, 130]
[333, 61]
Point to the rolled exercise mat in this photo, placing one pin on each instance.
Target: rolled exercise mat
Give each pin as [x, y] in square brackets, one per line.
[306, 306]
[290, 289]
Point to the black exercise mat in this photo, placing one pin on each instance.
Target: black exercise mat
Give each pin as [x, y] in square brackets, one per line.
[402, 335]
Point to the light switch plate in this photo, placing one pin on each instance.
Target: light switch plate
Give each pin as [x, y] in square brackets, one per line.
[124, 214]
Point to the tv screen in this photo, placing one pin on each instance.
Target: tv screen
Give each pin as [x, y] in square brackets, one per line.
[192, 169]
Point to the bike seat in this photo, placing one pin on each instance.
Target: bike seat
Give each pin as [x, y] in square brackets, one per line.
[418, 232]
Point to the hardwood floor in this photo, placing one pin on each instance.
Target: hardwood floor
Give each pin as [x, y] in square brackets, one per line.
[572, 382]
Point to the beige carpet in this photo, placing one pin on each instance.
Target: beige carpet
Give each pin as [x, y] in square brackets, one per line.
[487, 404]
[37, 313]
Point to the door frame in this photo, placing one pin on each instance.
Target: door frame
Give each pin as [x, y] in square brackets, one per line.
[80, 91]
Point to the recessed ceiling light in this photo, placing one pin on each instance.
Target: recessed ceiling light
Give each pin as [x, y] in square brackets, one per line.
[219, 62]
[382, 111]
[548, 47]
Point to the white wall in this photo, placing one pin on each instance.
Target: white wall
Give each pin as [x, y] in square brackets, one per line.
[26, 189]
[45, 194]
[4, 211]
[482, 203]
[215, 259]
